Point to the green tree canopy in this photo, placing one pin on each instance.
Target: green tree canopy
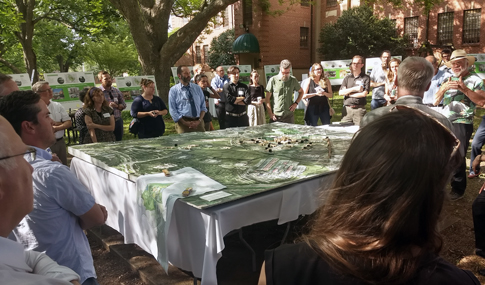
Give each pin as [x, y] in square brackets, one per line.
[359, 32]
[220, 52]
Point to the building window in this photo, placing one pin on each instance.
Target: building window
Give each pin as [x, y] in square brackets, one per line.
[198, 58]
[445, 28]
[206, 53]
[305, 3]
[471, 26]
[411, 28]
[304, 37]
[332, 3]
[247, 12]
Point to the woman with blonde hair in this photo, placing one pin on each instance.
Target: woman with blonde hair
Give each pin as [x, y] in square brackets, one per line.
[391, 80]
[98, 117]
[149, 109]
[317, 90]
[256, 108]
[378, 221]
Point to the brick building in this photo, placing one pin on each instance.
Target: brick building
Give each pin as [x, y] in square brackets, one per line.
[452, 24]
[292, 35]
[199, 51]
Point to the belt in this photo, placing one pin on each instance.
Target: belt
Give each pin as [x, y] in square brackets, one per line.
[356, 106]
[190, 118]
[236, 115]
[431, 105]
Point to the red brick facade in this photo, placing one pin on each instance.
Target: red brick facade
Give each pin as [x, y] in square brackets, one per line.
[455, 8]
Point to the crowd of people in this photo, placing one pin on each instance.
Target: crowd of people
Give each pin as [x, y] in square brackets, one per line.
[378, 223]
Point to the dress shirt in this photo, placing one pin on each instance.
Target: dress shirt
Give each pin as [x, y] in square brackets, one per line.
[179, 104]
[117, 98]
[436, 82]
[53, 226]
[58, 114]
[378, 75]
[219, 82]
[19, 266]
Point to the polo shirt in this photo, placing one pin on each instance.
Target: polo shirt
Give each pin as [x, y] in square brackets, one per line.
[351, 81]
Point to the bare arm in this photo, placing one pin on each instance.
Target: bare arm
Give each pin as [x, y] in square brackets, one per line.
[329, 94]
[90, 126]
[347, 91]
[60, 126]
[359, 94]
[96, 216]
[375, 84]
[477, 96]
[305, 90]
[268, 106]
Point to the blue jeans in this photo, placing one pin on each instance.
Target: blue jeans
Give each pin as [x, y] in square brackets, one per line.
[376, 103]
[91, 281]
[477, 143]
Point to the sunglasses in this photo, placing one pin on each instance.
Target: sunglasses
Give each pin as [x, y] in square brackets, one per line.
[30, 151]
[456, 147]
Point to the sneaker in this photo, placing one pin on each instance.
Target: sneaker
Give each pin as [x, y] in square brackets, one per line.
[473, 175]
[454, 196]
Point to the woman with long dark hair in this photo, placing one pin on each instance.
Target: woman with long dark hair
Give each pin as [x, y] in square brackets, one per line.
[378, 222]
[98, 117]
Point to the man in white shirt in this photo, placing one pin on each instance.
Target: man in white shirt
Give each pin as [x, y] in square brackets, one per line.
[60, 117]
[16, 200]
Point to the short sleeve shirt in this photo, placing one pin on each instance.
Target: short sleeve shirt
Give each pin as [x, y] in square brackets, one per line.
[282, 92]
[102, 118]
[457, 106]
[378, 75]
[351, 81]
[58, 114]
[53, 226]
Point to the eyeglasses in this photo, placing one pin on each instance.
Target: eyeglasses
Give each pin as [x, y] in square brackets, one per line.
[457, 141]
[317, 69]
[355, 63]
[30, 151]
[40, 91]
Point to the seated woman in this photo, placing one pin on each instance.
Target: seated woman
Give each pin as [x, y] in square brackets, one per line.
[149, 109]
[378, 223]
[98, 117]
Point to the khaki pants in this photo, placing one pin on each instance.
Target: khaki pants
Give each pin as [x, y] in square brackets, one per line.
[354, 115]
[59, 148]
[256, 115]
[180, 128]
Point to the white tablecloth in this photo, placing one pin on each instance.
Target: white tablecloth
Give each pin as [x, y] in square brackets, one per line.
[195, 238]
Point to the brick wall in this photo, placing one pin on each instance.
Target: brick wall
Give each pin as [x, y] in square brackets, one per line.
[457, 7]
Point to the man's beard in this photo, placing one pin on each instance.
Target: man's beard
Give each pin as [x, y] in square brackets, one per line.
[185, 79]
[460, 72]
[285, 77]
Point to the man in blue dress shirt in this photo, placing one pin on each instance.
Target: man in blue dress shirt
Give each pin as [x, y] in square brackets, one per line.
[187, 103]
[217, 84]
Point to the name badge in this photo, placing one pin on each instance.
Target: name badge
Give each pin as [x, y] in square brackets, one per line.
[106, 115]
[240, 92]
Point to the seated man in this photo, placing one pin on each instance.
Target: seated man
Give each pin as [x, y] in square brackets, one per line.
[16, 265]
[63, 207]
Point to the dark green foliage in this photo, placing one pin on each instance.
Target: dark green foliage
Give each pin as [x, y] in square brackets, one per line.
[220, 52]
[359, 32]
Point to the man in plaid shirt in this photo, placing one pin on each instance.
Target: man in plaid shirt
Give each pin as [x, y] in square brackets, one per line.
[114, 97]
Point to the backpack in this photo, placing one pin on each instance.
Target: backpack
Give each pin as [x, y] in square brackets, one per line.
[134, 126]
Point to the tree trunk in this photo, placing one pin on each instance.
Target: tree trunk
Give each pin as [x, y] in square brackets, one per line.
[25, 36]
[148, 21]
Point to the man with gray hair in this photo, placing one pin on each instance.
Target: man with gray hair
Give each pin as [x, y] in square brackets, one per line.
[7, 85]
[58, 114]
[413, 79]
[282, 87]
[461, 93]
